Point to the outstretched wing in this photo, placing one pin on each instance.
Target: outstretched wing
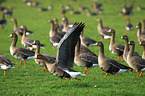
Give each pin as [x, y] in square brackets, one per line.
[66, 47]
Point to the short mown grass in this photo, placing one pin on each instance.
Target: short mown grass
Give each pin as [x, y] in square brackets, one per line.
[31, 80]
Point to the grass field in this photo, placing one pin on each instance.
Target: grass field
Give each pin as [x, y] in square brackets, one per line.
[31, 80]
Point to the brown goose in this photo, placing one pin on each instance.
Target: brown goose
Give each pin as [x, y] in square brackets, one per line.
[140, 36]
[86, 41]
[5, 63]
[18, 30]
[143, 28]
[3, 21]
[8, 11]
[143, 44]
[126, 49]
[84, 59]
[66, 24]
[27, 42]
[103, 30]
[135, 62]
[115, 48]
[19, 52]
[39, 61]
[127, 10]
[109, 65]
[65, 55]
[129, 26]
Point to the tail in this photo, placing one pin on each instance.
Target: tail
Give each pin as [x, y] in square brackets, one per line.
[95, 65]
[123, 70]
[106, 37]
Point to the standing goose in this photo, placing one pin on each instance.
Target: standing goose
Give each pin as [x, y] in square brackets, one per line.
[5, 63]
[84, 59]
[143, 44]
[86, 41]
[19, 52]
[3, 21]
[126, 49]
[103, 30]
[135, 62]
[129, 26]
[109, 65]
[115, 48]
[27, 42]
[143, 28]
[65, 55]
[140, 36]
[18, 30]
[39, 61]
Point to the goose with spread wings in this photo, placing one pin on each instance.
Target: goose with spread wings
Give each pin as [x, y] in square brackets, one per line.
[65, 55]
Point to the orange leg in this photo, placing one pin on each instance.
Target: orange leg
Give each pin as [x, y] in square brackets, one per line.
[118, 58]
[116, 75]
[21, 62]
[78, 79]
[32, 49]
[24, 62]
[139, 74]
[106, 75]
[4, 72]
[20, 37]
[121, 58]
[45, 69]
[132, 32]
[71, 79]
[85, 71]
[53, 48]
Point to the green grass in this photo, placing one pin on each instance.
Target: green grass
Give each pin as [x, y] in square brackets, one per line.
[31, 80]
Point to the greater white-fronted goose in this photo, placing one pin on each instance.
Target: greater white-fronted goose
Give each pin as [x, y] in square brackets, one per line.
[127, 10]
[135, 62]
[86, 41]
[143, 44]
[83, 8]
[72, 12]
[97, 8]
[129, 26]
[84, 59]
[89, 13]
[39, 61]
[19, 52]
[8, 11]
[68, 7]
[139, 8]
[3, 21]
[27, 42]
[109, 65]
[66, 24]
[32, 4]
[126, 49]
[5, 63]
[115, 48]
[18, 30]
[57, 25]
[50, 7]
[65, 55]
[143, 28]
[140, 36]
[62, 10]
[103, 30]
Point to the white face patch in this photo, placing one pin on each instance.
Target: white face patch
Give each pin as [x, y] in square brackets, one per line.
[109, 30]
[10, 35]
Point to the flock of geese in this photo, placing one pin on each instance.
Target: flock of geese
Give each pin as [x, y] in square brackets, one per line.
[72, 47]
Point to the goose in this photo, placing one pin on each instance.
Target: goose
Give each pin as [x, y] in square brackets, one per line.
[115, 48]
[66, 24]
[97, 8]
[103, 30]
[139, 8]
[19, 31]
[65, 55]
[19, 52]
[84, 59]
[57, 25]
[140, 36]
[3, 21]
[127, 10]
[89, 13]
[50, 7]
[5, 63]
[86, 41]
[39, 61]
[82, 8]
[143, 44]
[143, 28]
[27, 42]
[109, 65]
[129, 26]
[8, 12]
[126, 49]
[135, 62]
[72, 12]
[62, 10]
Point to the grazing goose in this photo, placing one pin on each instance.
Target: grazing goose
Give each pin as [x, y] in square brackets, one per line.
[109, 65]
[72, 12]
[127, 10]
[103, 30]
[39, 61]
[8, 12]
[135, 62]
[84, 59]
[65, 55]
[115, 48]
[143, 44]
[82, 8]
[3, 21]
[140, 36]
[27, 42]
[126, 49]
[18, 30]
[89, 13]
[19, 52]
[5, 63]
[86, 41]
[129, 26]
[143, 28]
